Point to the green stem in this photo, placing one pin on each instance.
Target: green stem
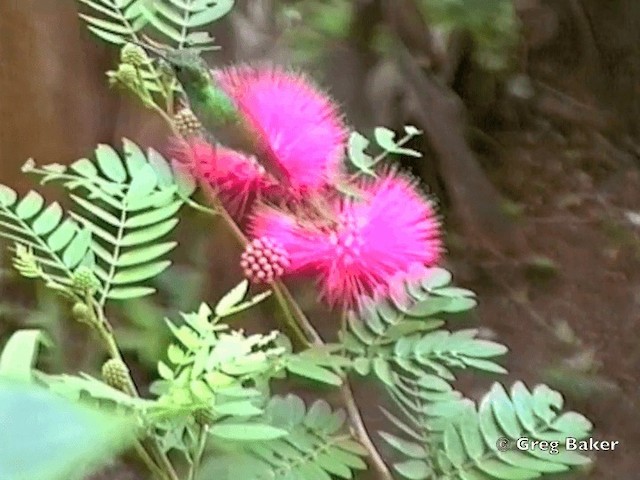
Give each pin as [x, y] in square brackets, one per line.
[197, 458]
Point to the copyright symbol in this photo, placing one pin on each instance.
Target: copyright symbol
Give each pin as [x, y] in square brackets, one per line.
[502, 444]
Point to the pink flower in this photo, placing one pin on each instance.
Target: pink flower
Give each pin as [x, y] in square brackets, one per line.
[298, 241]
[297, 127]
[236, 177]
[386, 234]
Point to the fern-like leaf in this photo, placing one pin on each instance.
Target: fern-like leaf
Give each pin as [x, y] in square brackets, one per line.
[128, 203]
[317, 445]
[386, 334]
[481, 442]
[47, 246]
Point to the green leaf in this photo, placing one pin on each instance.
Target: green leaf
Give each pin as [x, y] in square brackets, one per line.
[386, 139]
[62, 235]
[356, 148]
[97, 211]
[310, 370]
[110, 163]
[134, 156]
[414, 469]
[48, 219]
[232, 298]
[8, 196]
[29, 205]
[139, 274]
[143, 182]
[211, 13]
[243, 408]
[145, 254]
[20, 354]
[46, 437]
[126, 293]
[184, 180]
[77, 249]
[246, 431]
[148, 234]
[85, 167]
[154, 216]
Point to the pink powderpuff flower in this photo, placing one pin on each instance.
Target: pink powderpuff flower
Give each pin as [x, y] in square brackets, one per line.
[236, 176]
[297, 127]
[299, 242]
[380, 237]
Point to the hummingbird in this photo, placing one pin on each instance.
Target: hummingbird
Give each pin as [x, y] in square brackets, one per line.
[223, 122]
[213, 107]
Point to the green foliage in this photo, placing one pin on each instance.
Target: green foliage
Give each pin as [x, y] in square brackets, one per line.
[317, 446]
[403, 332]
[63, 441]
[452, 438]
[386, 140]
[121, 21]
[128, 205]
[47, 247]
[19, 354]
[493, 25]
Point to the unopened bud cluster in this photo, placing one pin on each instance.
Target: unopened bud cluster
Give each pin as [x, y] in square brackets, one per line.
[264, 260]
[187, 123]
[84, 280]
[132, 54]
[116, 374]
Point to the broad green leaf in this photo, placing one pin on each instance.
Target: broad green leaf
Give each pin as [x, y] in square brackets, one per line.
[243, 408]
[453, 446]
[20, 354]
[184, 180]
[109, 37]
[161, 167]
[386, 139]
[85, 167]
[8, 196]
[145, 254]
[410, 449]
[61, 237]
[310, 370]
[47, 437]
[148, 234]
[48, 219]
[246, 431]
[99, 212]
[126, 293]
[414, 469]
[77, 249]
[29, 205]
[357, 146]
[133, 156]
[139, 274]
[154, 216]
[211, 13]
[232, 298]
[144, 182]
[110, 163]
[383, 371]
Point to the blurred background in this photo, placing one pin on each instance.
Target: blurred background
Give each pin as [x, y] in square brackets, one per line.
[531, 118]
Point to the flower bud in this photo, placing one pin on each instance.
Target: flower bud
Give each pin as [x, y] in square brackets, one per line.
[132, 54]
[116, 374]
[81, 312]
[84, 280]
[187, 123]
[264, 260]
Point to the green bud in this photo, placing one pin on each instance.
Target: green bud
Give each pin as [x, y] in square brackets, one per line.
[84, 280]
[187, 123]
[81, 312]
[203, 417]
[116, 374]
[132, 54]
[127, 74]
